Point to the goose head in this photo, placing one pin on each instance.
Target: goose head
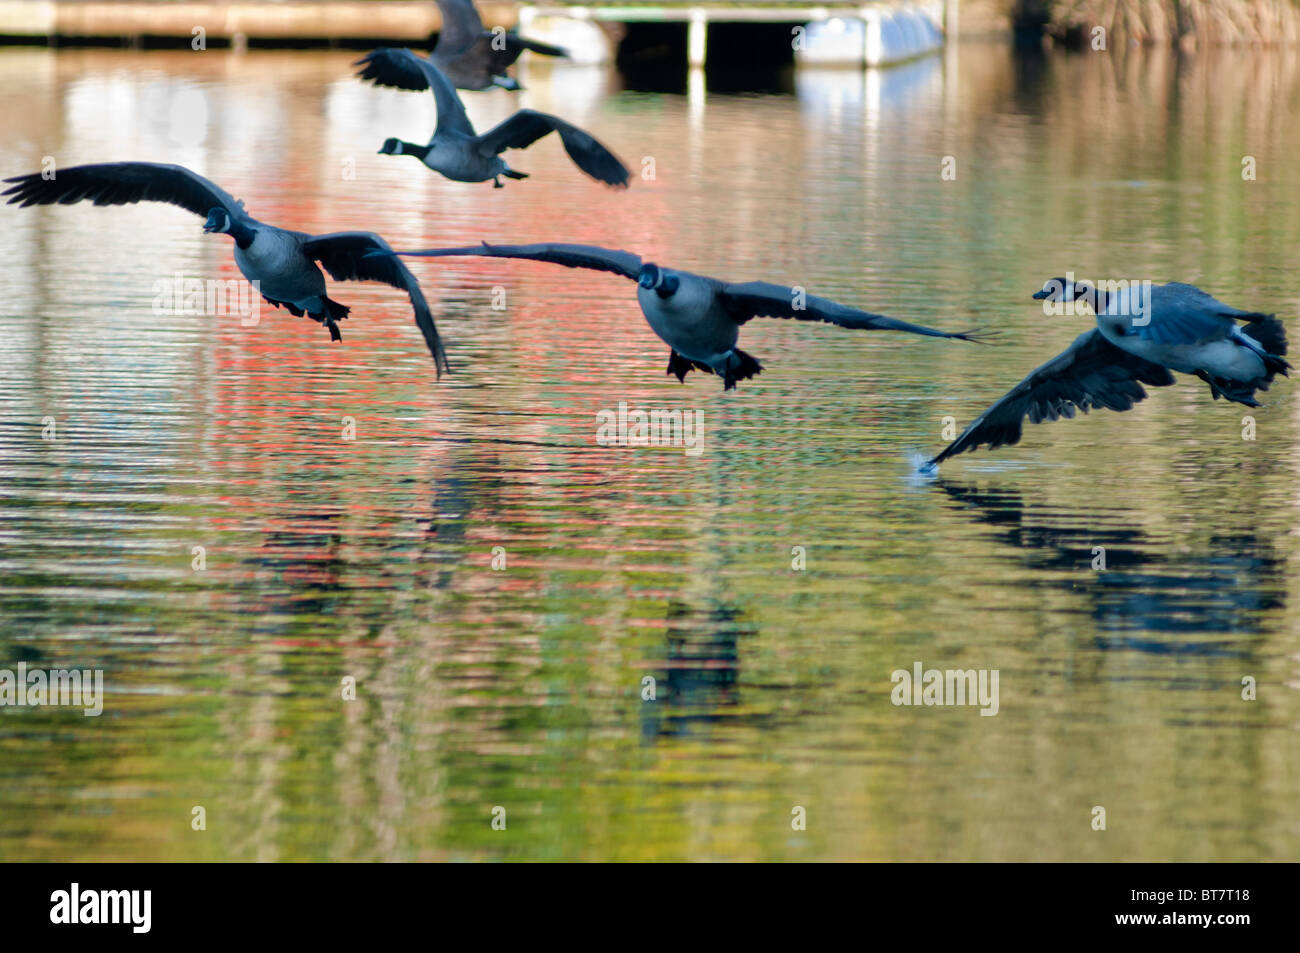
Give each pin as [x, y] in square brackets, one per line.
[218, 221]
[1065, 290]
[652, 278]
[391, 147]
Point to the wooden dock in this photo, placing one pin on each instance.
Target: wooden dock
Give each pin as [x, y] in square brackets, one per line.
[883, 26]
[322, 20]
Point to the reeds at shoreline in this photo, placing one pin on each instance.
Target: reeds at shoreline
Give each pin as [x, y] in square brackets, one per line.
[1186, 23]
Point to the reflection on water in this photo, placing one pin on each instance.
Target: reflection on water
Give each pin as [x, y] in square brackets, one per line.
[701, 671]
[1226, 585]
[498, 586]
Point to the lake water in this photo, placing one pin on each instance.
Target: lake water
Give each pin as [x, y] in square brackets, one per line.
[519, 686]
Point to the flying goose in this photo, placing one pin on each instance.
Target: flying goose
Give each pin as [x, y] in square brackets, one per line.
[474, 58]
[458, 152]
[280, 262]
[1142, 334]
[699, 317]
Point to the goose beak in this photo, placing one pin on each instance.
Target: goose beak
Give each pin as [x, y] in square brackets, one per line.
[1040, 295]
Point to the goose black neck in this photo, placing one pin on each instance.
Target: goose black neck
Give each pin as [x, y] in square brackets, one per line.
[668, 286]
[242, 233]
[413, 149]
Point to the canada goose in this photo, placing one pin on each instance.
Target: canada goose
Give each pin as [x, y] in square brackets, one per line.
[1143, 332]
[474, 58]
[700, 317]
[461, 154]
[280, 263]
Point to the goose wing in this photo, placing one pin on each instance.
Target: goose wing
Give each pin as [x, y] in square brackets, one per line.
[385, 67]
[527, 126]
[405, 69]
[515, 46]
[1193, 297]
[498, 54]
[1091, 372]
[461, 27]
[350, 256]
[1181, 314]
[761, 299]
[123, 183]
[571, 256]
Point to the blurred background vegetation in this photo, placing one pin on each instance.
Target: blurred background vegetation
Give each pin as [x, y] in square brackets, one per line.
[1182, 22]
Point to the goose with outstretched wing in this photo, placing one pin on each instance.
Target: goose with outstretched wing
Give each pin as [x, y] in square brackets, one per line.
[460, 153]
[700, 317]
[475, 58]
[282, 264]
[1143, 333]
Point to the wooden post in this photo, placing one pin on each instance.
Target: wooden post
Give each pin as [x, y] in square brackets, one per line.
[872, 44]
[697, 38]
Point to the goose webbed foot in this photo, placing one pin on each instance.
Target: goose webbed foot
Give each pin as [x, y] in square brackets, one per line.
[1233, 391]
[679, 366]
[739, 367]
[335, 334]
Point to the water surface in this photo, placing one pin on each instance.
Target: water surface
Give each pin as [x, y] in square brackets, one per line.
[327, 558]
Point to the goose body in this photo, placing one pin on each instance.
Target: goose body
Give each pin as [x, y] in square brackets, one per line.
[1216, 346]
[458, 158]
[463, 155]
[1144, 332]
[1229, 358]
[275, 260]
[284, 265]
[691, 320]
[699, 317]
[1184, 329]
